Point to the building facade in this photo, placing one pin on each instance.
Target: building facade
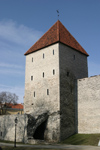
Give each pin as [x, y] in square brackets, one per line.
[53, 64]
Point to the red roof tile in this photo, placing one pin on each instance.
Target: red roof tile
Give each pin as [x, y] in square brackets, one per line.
[10, 105]
[57, 33]
[19, 106]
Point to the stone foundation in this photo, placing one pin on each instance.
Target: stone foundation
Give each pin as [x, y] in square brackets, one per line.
[31, 127]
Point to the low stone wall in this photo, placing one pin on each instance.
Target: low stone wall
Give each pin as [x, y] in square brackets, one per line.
[40, 125]
[7, 127]
[89, 105]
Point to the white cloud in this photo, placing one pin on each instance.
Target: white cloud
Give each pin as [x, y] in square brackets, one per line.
[19, 34]
[15, 40]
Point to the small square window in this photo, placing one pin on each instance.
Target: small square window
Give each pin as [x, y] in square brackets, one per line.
[31, 77]
[47, 91]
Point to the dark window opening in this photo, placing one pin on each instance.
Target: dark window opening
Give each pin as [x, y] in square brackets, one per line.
[31, 77]
[1, 133]
[43, 56]
[67, 74]
[47, 91]
[32, 59]
[74, 57]
[53, 72]
[39, 132]
[53, 52]
[71, 90]
[34, 94]
[43, 74]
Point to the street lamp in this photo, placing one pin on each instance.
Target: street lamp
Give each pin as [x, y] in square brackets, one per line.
[16, 121]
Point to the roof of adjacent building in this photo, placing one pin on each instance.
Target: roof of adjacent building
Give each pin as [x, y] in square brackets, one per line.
[15, 106]
[57, 33]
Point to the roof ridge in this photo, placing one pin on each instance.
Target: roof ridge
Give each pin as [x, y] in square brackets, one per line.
[58, 33]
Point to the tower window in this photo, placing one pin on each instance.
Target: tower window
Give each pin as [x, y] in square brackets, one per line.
[53, 52]
[43, 74]
[67, 74]
[32, 59]
[1, 133]
[74, 57]
[43, 56]
[47, 91]
[34, 94]
[53, 71]
[31, 77]
[71, 90]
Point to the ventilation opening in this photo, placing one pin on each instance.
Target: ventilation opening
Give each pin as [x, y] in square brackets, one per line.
[39, 132]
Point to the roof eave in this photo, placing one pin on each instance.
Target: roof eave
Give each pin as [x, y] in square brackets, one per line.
[27, 53]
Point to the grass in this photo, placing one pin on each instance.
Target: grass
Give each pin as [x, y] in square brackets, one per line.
[77, 139]
[83, 139]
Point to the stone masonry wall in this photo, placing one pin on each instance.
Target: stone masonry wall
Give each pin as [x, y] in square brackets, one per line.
[43, 91]
[27, 126]
[36, 89]
[89, 105]
[7, 128]
[73, 65]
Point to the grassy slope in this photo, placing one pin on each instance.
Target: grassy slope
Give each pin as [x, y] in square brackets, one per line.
[83, 139]
[77, 139]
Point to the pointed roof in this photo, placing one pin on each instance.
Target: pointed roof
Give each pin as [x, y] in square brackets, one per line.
[57, 33]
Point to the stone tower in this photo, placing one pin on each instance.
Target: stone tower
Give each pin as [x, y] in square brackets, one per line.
[53, 64]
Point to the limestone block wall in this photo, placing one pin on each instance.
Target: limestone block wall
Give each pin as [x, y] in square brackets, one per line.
[89, 105]
[43, 89]
[53, 128]
[7, 128]
[72, 61]
[27, 127]
[73, 65]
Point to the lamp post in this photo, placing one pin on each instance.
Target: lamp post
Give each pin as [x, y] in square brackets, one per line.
[16, 121]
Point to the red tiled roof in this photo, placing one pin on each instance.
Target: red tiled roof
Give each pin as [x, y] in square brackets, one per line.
[10, 105]
[57, 33]
[19, 106]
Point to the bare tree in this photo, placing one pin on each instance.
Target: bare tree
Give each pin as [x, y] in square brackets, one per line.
[7, 97]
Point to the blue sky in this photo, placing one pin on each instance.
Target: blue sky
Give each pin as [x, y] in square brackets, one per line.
[23, 22]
